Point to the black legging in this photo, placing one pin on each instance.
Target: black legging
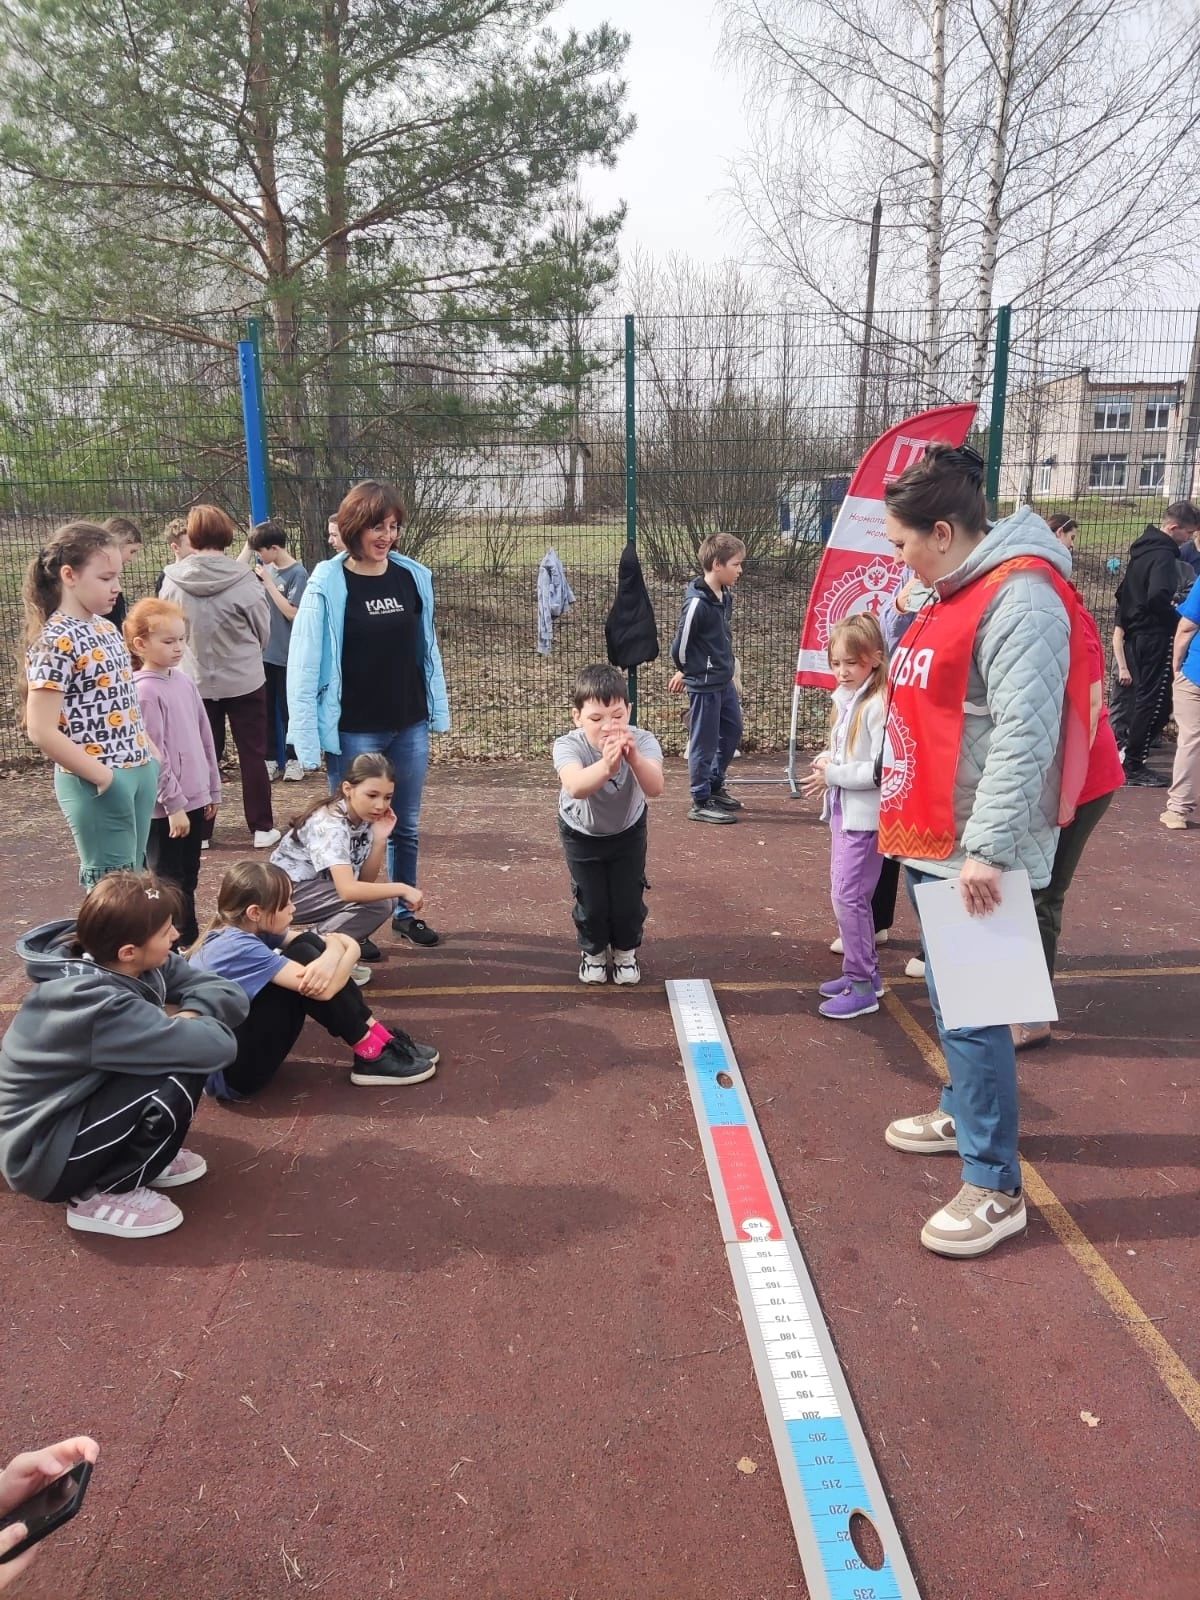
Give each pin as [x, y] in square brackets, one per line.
[277, 1015]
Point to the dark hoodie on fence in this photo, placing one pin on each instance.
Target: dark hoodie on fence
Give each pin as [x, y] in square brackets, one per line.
[1146, 594]
[703, 645]
[631, 633]
[80, 1024]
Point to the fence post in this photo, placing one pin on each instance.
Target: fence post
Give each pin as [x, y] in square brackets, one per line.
[999, 400]
[256, 451]
[254, 334]
[631, 478]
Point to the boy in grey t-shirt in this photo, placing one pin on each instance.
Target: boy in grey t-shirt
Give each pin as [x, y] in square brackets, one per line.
[285, 581]
[608, 770]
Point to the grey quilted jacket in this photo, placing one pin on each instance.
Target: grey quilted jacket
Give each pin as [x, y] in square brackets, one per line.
[1007, 783]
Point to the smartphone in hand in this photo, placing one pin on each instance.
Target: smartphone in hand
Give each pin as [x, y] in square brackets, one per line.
[47, 1510]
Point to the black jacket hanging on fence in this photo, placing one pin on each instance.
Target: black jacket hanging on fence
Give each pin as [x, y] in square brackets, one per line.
[631, 632]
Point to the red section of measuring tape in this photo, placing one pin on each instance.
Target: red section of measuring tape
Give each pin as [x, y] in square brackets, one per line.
[745, 1186]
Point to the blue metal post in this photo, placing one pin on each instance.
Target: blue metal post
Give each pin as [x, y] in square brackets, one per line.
[256, 444]
[254, 334]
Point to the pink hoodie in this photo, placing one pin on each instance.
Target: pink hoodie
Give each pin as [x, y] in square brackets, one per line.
[177, 722]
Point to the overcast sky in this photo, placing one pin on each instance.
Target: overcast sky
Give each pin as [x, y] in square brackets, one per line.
[690, 125]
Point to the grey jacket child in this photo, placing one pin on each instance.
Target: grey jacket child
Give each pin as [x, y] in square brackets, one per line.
[79, 1024]
[229, 623]
[1009, 764]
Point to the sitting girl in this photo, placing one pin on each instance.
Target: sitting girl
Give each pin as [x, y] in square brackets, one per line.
[104, 1063]
[333, 853]
[289, 976]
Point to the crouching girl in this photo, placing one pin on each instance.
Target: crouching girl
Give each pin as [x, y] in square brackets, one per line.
[288, 976]
[105, 1062]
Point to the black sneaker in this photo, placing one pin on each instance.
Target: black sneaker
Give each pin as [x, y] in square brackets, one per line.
[424, 1052]
[1143, 778]
[397, 1062]
[724, 801]
[415, 931]
[368, 950]
[707, 812]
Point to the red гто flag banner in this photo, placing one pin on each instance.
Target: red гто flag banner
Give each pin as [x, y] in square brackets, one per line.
[858, 571]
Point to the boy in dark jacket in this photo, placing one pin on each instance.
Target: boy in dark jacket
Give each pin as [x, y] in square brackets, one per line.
[1147, 616]
[702, 650]
[105, 1062]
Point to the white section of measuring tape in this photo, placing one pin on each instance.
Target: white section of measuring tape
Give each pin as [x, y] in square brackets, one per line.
[824, 1460]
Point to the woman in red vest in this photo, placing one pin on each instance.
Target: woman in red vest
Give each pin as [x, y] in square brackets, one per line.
[986, 749]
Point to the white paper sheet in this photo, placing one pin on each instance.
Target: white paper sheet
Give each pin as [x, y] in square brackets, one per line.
[988, 970]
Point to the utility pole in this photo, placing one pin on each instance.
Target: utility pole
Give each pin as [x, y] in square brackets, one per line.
[864, 365]
[1189, 428]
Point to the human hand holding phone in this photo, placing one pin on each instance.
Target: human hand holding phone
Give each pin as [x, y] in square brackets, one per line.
[39, 1491]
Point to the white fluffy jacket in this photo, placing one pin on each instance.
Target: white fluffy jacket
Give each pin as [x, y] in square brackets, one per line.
[851, 768]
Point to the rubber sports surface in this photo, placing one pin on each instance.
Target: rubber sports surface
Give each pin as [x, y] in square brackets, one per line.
[478, 1337]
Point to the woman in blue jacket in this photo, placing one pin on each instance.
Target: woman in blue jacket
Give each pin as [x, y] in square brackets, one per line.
[365, 672]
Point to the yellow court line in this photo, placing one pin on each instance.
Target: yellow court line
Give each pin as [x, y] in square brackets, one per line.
[1179, 1380]
[747, 986]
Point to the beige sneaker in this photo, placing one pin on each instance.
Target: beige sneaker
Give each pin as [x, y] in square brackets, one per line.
[914, 967]
[1172, 819]
[930, 1133]
[974, 1222]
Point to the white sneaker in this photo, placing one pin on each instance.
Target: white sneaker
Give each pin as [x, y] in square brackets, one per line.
[265, 838]
[914, 967]
[140, 1214]
[974, 1222]
[272, 770]
[837, 948]
[593, 969]
[204, 844]
[361, 974]
[625, 967]
[293, 772]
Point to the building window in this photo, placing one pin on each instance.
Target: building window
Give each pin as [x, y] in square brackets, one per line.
[1158, 416]
[1153, 472]
[1113, 416]
[1108, 472]
[1044, 478]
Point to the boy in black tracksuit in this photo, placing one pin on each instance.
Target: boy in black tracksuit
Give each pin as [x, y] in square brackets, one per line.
[702, 650]
[1147, 615]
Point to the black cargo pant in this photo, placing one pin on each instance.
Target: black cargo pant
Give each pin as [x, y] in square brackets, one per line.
[1149, 657]
[608, 876]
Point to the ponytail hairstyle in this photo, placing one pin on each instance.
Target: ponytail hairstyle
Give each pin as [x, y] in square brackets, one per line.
[367, 765]
[861, 636]
[123, 908]
[73, 545]
[142, 618]
[946, 485]
[246, 884]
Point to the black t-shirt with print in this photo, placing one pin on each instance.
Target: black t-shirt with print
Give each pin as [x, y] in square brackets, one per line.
[383, 653]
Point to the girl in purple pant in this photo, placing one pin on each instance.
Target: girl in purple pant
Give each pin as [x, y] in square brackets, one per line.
[844, 775]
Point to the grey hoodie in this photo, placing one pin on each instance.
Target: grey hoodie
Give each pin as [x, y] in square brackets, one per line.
[1009, 765]
[80, 1024]
[229, 622]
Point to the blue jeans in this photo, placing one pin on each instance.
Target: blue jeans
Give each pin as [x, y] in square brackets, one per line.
[408, 751]
[982, 1093]
[714, 733]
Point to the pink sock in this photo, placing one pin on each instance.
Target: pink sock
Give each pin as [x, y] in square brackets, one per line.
[371, 1048]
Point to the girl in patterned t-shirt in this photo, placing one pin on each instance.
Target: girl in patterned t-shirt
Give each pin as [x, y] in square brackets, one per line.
[82, 707]
[333, 853]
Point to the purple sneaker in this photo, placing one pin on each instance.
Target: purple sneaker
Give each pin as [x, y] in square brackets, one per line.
[837, 986]
[847, 1005]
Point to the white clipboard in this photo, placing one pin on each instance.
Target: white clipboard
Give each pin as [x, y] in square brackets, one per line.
[988, 970]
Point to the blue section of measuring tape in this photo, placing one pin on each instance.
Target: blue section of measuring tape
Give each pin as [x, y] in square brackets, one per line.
[833, 1489]
[722, 1109]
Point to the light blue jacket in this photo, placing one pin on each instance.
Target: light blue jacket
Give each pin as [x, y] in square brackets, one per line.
[1009, 763]
[314, 676]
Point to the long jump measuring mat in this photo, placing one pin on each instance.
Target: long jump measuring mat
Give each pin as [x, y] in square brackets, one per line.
[825, 1463]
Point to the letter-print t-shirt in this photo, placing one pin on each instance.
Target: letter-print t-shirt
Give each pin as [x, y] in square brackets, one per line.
[86, 659]
[383, 653]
